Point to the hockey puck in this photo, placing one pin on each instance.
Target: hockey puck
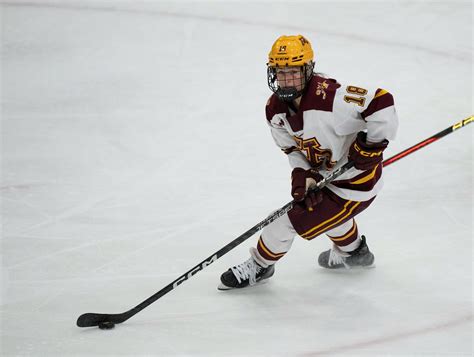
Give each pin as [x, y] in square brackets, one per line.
[106, 325]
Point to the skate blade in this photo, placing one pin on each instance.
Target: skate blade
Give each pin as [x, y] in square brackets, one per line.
[223, 287]
[354, 269]
[364, 267]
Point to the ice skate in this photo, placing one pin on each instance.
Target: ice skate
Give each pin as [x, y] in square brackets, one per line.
[336, 258]
[246, 274]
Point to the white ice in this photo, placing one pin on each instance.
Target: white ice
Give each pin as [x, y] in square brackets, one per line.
[134, 145]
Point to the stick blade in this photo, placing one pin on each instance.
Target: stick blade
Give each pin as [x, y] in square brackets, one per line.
[92, 319]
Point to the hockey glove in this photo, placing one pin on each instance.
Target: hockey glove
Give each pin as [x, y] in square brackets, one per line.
[364, 155]
[301, 181]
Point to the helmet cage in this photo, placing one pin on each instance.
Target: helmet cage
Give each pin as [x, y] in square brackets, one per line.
[289, 93]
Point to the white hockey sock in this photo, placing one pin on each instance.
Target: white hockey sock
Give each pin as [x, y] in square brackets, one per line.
[351, 247]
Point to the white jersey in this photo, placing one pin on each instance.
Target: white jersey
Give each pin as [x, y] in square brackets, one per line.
[320, 133]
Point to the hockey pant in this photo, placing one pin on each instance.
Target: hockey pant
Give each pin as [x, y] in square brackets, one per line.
[333, 216]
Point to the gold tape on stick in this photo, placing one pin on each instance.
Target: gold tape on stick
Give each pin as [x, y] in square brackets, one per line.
[463, 122]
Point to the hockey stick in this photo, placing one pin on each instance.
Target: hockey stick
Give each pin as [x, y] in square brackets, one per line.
[109, 320]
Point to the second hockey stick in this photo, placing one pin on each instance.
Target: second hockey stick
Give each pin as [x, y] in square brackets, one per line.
[99, 319]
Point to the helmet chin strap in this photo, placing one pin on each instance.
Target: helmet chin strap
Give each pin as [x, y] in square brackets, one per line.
[288, 94]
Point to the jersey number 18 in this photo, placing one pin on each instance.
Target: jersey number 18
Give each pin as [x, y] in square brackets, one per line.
[359, 100]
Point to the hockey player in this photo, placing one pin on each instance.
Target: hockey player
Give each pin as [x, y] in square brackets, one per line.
[320, 124]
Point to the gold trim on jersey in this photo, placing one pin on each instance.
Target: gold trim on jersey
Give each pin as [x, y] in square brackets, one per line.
[381, 93]
[365, 178]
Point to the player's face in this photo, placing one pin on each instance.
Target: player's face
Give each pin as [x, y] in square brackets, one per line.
[290, 77]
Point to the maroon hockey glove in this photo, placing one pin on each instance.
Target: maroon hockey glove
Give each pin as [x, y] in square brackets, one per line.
[301, 181]
[366, 156]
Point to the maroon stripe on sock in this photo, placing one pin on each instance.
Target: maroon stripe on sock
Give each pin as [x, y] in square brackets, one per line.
[267, 253]
[348, 238]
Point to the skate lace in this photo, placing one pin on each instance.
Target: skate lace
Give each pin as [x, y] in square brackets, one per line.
[337, 256]
[247, 270]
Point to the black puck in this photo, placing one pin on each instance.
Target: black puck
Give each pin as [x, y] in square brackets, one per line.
[106, 325]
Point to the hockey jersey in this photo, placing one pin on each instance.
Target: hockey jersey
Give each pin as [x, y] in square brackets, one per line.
[319, 134]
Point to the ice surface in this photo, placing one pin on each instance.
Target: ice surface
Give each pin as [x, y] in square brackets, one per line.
[134, 145]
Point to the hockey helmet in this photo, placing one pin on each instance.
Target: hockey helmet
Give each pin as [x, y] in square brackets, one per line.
[290, 51]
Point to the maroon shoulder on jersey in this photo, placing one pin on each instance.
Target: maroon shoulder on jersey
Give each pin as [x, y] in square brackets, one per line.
[320, 94]
[275, 106]
[382, 100]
